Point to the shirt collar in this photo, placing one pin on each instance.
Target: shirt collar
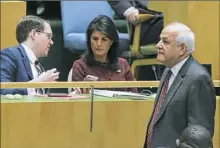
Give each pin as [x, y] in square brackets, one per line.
[32, 57]
[175, 69]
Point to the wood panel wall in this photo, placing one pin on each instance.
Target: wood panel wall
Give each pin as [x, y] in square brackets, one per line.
[11, 13]
[203, 18]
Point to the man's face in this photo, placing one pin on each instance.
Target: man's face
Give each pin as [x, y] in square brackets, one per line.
[169, 52]
[43, 41]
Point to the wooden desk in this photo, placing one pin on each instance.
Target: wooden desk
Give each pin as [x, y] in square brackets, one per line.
[55, 123]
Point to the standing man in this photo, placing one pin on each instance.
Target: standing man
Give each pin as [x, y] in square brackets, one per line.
[20, 64]
[186, 93]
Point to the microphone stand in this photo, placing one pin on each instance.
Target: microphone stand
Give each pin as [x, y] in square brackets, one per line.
[154, 70]
[91, 108]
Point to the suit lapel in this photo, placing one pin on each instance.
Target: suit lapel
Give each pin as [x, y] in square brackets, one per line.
[26, 62]
[158, 91]
[177, 82]
[160, 85]
[174, 87]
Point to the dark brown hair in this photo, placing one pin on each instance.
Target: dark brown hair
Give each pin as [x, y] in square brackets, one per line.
[28, 23]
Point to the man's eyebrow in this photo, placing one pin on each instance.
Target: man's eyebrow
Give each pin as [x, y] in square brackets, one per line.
[164, 38]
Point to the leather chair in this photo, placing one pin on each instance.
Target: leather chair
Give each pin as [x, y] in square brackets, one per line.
[140, 53]
[76, 16]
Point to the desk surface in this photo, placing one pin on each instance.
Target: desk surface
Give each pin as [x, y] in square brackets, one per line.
[66, 99]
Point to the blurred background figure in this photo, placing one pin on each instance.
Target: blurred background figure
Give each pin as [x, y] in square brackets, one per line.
[128, 9]
[195, 136]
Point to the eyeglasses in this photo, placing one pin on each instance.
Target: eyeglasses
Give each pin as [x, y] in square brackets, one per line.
[49, 35]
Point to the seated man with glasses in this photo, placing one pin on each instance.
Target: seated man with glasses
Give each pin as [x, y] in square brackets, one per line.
[20, 64]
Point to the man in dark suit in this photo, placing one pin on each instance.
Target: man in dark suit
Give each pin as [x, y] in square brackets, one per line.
[20, 64]
[128, 9]
[186, 94]
[150, 29]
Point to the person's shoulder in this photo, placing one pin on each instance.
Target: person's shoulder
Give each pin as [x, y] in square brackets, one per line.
[10, 50]
[122, 61]
[80, 62]
[198, 70]
[123, 64]
[7, 49]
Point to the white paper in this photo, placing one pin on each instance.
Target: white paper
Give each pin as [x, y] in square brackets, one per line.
[119, 94]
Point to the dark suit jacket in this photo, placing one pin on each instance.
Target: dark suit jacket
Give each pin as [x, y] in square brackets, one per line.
[150, 29]
[190, 100]
[15, 67]
[121, 6]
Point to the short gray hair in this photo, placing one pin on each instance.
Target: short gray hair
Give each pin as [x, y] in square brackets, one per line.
[185, 35]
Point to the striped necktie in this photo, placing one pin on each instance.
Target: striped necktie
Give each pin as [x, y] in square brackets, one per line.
[160, 101]
[40, 69]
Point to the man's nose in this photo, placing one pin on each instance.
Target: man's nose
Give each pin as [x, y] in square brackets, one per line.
[51, 42]
[159, 45]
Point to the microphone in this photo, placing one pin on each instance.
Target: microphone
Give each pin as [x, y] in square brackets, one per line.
[155, 73]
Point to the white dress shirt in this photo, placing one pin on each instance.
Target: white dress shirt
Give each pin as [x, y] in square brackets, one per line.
[32, 58]
[175, 69]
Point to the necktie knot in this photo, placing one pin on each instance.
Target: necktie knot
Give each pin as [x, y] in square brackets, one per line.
[40, 69]
[36, 62]
[169, 73]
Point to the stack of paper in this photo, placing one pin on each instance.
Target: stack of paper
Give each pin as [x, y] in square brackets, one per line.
[119, 94]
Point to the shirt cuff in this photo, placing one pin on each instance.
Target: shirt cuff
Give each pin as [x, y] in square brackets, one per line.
[31, 91]
[129, 10]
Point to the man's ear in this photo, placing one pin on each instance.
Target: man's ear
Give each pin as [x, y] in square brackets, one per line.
[183, 49]
[33, 34]
[111, 43]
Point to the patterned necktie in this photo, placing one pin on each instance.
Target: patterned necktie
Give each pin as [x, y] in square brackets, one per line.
[39, 69]
[157, 109]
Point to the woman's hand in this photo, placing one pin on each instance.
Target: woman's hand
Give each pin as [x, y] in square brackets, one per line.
[77, 90]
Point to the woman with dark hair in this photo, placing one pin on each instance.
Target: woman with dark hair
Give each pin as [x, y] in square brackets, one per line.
[101, 60]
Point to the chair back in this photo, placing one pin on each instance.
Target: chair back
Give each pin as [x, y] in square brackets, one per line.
[76, 17]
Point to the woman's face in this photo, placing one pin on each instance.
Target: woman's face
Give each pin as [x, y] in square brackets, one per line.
[100, 44]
